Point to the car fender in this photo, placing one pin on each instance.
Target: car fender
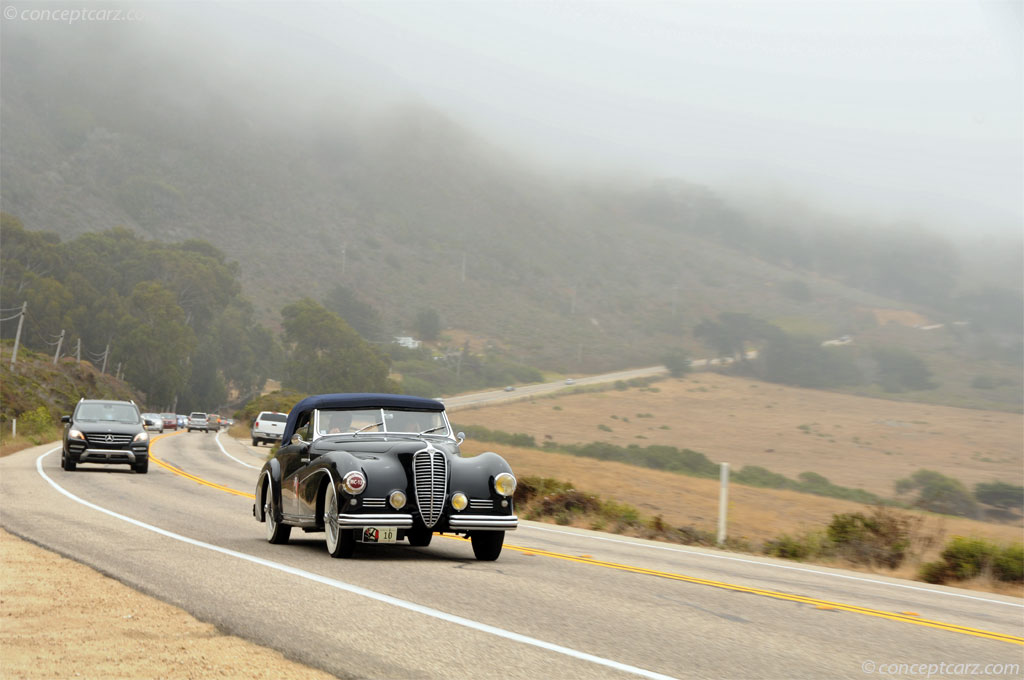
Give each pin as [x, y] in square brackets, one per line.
[270, 474]
[475, 476]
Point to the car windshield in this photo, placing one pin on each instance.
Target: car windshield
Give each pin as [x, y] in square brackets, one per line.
[121, 413]
[381, 420]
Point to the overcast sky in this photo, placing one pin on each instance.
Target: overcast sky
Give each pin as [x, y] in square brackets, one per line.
[888, 110]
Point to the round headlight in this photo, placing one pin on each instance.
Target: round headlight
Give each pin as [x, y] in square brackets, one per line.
[505, 484]
[397, 500]
[459, 501]
[141, 437]
[75, 434]
[354, 483]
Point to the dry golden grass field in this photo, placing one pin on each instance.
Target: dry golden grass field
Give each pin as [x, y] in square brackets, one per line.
[854, 441]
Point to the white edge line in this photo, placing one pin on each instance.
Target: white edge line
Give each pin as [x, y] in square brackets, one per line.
[357, 590]
[216, 438]
[771, 564]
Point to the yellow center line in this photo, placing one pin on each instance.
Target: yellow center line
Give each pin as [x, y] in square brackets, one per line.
[186, 475]
[893, 616]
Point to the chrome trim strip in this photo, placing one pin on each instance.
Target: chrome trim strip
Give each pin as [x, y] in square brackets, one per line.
[499, 522]
[400, 521]
[106, 454]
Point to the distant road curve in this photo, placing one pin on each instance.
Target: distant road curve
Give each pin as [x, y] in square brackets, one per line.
[497, 396]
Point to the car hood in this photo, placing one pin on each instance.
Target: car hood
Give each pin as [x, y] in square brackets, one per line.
[382, 445]
[104, 426]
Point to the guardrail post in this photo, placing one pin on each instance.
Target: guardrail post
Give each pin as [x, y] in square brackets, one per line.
[723, 503]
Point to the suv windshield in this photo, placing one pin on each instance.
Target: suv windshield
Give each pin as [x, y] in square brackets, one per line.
[121, 413]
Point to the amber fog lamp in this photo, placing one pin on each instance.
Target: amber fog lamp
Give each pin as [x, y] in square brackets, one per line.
[397, 500]
[459, 501]
[505, 484]
[354, 483]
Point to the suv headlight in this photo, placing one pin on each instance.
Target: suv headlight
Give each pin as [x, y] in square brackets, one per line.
[505, 484]
[141, 437]
[76, 434]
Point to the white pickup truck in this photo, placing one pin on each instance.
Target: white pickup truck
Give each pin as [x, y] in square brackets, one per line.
[268, 427]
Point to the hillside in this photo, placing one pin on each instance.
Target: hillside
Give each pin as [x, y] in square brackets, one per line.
[35, 381]
[313, 187]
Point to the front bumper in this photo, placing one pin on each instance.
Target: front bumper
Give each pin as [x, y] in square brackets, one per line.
[353, 521]
[483, 522]
[111, 456]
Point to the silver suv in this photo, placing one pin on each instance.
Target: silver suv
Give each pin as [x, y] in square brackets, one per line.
[197, 420]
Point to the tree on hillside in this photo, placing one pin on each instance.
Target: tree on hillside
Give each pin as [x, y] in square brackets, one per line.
[325, 354]
[153, 338]
[938, 493]
[363, 317]
[428, 324]
[899, 369]
[730, 335]
[801, 360]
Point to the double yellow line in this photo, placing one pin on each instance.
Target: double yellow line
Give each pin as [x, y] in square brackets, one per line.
[818, 603]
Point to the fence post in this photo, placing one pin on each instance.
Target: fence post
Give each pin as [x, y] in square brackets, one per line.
[723, 503]
[14, 428]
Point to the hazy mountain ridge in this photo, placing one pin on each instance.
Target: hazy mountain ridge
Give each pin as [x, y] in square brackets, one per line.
[389, 201]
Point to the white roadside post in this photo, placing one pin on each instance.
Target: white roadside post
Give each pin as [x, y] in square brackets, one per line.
[14, 428]
[723, 503]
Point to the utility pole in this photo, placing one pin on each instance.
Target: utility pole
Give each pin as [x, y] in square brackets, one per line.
[78, 350]
[60, 341]
[117, 373]
[106, 353]
[17, 336]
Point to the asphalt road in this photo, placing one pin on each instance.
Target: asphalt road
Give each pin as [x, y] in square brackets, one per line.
[559, 603]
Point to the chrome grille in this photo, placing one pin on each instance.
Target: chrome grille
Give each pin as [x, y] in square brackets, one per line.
[374, 502]
[480, 503]
[109, 441]
[430, 474]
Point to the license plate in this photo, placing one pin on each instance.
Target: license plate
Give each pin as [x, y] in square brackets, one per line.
[380, 535]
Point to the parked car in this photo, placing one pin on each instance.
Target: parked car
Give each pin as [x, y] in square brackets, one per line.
[107, 432]
[268, 427]
[381, 468]
[170, 421]
[197, 420]
[153, 421]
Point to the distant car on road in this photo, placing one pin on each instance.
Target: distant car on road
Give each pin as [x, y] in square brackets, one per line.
[268, 427]
[153, 421]
[570, 381]
[170, 421]
[107, 432]
[510, 388]
[197, 420]
[381, 468]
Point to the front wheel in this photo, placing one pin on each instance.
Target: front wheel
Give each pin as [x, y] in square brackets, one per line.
[487, 544]
[142, 467]
[66, 463]
[420, 536]
[340, 542]
[277, 533]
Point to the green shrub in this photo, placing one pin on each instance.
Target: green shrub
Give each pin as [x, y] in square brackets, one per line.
[934, 572]
[35, 422]
[1000, 495]
[939, 493]
[484, 434]
[799, 548]
[1008, 565]
[883, 538]
[967, 558]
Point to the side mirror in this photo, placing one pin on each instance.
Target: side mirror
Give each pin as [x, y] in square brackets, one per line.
[461, 436]
[65, 419]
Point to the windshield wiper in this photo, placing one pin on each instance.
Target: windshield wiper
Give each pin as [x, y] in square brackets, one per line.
[368, 427]
[433, 429]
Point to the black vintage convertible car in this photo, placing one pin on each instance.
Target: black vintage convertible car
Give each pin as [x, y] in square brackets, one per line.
[380, 468]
